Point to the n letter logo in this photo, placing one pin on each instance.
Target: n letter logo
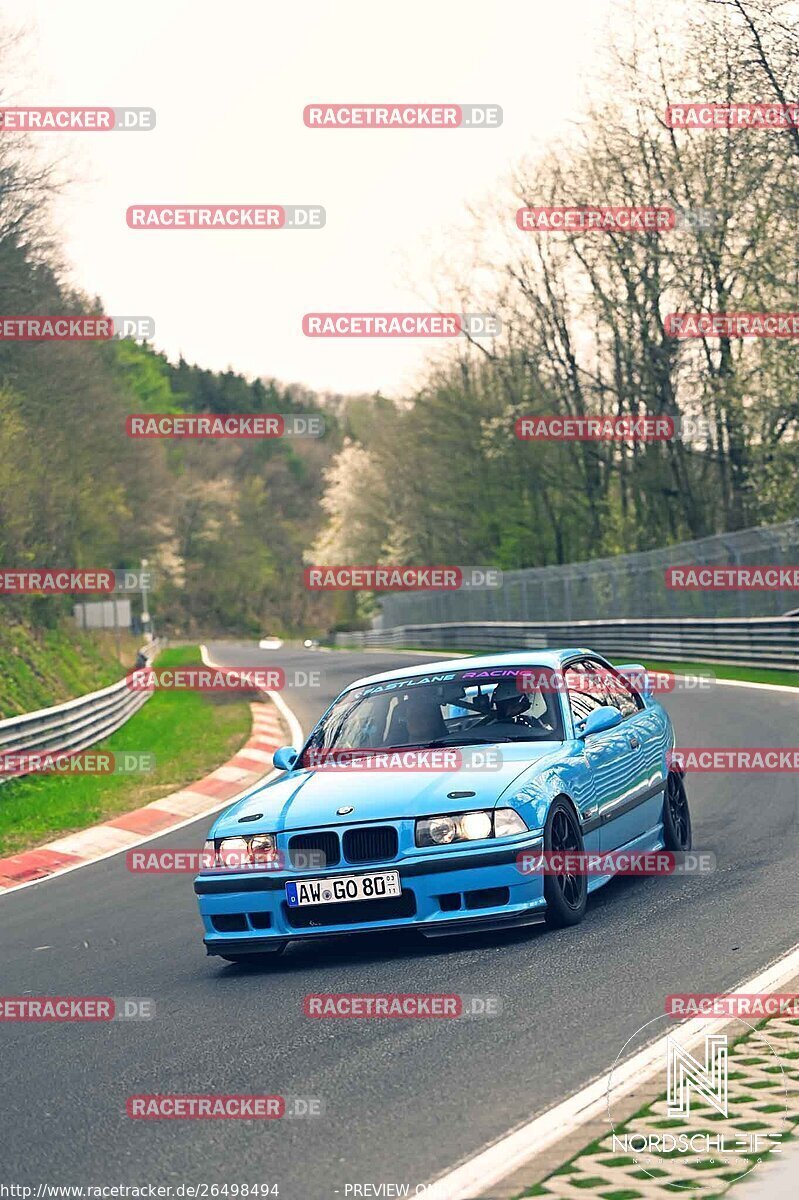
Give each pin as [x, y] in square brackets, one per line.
[709, 1080]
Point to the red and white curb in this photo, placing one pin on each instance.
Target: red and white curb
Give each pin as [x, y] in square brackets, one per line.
[250, 765]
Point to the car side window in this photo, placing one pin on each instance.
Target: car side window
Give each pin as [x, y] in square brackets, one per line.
[585, 689]
[620, 692]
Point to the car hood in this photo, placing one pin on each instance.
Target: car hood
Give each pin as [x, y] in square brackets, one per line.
[309, 798]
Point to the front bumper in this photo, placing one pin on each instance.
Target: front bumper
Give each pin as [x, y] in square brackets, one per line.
[444, 892]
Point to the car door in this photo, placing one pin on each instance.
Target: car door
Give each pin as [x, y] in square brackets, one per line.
[636, 807]
[608, 755]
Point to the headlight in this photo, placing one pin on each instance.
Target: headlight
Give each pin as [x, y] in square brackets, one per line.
[263, 848]
[234, 852]
[209, 856]
[260, 850]
[475, 825]
[468, 827]
[437, 831]
[507, 822]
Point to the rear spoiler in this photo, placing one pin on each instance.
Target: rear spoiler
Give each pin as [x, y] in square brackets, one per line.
[638, 676]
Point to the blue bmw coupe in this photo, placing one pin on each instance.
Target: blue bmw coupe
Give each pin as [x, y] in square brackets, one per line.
[421, 791]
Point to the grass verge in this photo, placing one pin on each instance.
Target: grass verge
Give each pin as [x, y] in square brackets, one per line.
[189, 733]
[729, 671]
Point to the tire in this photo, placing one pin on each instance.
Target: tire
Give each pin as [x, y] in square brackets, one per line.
[676, 814]
[566, 895]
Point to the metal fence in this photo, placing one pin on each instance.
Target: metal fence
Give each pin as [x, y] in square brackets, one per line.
[75, 725]
[627, 585]
[758, 641]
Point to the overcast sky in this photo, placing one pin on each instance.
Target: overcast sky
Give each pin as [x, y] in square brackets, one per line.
[229, 83]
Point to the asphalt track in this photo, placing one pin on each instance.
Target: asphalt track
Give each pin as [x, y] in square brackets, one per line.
[404, 1100]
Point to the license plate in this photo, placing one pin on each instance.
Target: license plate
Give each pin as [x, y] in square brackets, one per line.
[337, 890]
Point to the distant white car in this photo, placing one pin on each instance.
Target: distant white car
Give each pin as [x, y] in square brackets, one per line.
[270, 643]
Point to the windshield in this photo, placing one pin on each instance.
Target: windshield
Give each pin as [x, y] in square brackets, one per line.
[454, 708]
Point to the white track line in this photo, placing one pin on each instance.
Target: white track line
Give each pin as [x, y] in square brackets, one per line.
[497, 1161]
[766, 687]
[295, 729]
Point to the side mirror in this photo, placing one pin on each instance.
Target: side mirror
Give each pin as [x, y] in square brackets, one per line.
[599, 720]
[284, 758]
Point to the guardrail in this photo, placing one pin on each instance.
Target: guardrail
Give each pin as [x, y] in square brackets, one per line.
[752, 641]
[75, 725]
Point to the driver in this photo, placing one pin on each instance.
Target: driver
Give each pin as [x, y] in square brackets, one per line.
[518, 707]
[417, 718]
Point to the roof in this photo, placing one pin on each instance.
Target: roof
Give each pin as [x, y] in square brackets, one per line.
[525, 657]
